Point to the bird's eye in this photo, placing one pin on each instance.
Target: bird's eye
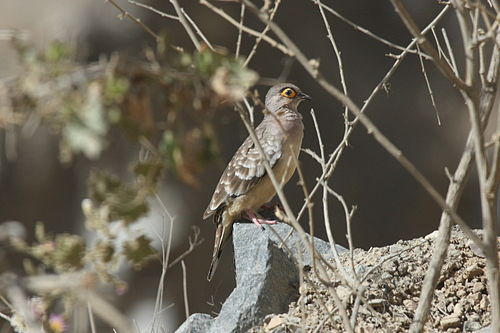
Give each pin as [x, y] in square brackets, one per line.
[288, 92]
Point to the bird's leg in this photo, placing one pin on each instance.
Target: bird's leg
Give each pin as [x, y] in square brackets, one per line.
[257, 220]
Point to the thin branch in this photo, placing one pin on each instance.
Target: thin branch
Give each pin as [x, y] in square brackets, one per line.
[337, 55]
[450, 52]
[165, 257]
[364, 30]
[197, 29]
[427, 46]
[138, 21]
[488, 194]
[184, 289]
[91, 318]
[431, 94]
[326, 214]
[246, 29]
[240, 31]
[266, 29]
[348, 215]
[194, 242]
[185, 24]
[154, 10]
[106, 311]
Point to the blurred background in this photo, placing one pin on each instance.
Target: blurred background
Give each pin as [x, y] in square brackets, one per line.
[36, 186]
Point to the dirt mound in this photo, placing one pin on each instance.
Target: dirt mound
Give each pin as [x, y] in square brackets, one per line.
[394, 277]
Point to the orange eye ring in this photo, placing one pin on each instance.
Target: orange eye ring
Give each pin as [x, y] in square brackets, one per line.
[288, 93]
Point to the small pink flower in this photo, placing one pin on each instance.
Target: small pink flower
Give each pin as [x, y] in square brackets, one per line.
[121, 288]
[57, 323]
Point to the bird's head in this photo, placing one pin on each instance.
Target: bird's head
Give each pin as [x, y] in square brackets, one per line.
[284, 95]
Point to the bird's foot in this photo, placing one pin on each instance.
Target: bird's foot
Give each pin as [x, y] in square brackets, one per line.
[258, 220]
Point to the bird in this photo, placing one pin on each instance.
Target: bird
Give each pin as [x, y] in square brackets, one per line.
[245, 185]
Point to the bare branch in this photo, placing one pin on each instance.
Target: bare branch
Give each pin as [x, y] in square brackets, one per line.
[370, 126]
[240, 31]
[266, 29]
[154, 10]
[366, 31]
[185, 24]
[427, 46]
[429, 87]
[246, 29]
[197, 29]
[450, 51]
[184, 289]
[138, 21]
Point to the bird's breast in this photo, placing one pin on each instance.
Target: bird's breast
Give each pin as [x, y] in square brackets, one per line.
[283, 170]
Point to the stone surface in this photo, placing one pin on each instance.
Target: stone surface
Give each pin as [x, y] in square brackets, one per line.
[294, 244]
[196, 323]
[267, 278]
[450, 322]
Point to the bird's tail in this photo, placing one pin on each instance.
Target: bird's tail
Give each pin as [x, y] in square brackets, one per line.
[221, 235]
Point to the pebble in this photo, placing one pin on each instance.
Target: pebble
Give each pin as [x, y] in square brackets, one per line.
[344, 293]
[276, 321]
[484, 303]
[449, 322]
[474, 298]
[458, 310]
[475, 249]
[473, 317]
[471, 326]
[395, 248]
[410, 305]
[478, 287]
[473, 271]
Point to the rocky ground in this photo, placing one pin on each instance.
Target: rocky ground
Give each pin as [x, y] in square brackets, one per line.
[460, 302]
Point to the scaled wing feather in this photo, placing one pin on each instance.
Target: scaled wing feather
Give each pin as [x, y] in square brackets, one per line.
[246, 168]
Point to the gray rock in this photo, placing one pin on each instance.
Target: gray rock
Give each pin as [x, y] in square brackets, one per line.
[196, 323]
[267, 278]
[294, 244]
[472, 326]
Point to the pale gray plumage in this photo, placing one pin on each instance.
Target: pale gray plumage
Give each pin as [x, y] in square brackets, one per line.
[244, 185]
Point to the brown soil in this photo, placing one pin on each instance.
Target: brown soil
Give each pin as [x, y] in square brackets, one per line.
[460, 304]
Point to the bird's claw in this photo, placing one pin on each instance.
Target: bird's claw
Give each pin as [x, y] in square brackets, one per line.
[259, 221]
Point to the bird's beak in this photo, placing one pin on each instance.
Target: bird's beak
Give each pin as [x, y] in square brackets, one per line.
[304, 96]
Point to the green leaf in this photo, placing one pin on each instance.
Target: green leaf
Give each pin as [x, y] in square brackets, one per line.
[139, 250]
[125, 202]
[68, 253]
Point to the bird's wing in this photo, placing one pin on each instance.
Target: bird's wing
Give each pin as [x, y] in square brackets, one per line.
[246, 167]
